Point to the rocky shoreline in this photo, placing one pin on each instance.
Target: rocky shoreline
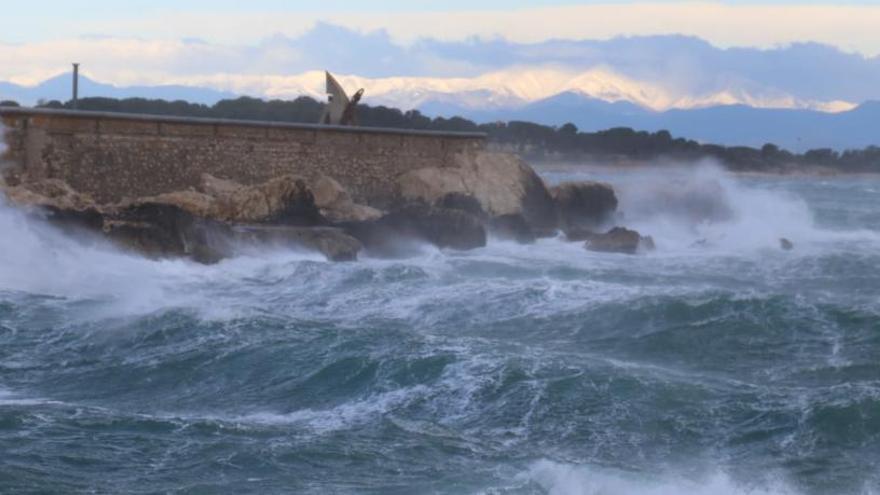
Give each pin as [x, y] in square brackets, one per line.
[485, 194]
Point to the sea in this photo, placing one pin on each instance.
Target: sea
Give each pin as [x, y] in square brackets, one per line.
[717, 364]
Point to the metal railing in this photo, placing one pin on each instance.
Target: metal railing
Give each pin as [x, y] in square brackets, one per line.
[80, 114]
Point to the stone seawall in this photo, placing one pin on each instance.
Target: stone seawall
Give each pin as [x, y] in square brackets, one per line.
[113, 156]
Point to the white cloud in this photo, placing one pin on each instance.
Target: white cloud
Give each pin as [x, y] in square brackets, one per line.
[658, 73]
[851, 27]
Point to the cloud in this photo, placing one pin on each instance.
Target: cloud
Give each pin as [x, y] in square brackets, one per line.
[655, 71]
[851, 27]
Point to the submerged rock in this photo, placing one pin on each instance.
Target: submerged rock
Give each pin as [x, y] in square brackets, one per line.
[584, 206]
[618, 240]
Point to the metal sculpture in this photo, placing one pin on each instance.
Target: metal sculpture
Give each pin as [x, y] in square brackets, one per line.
[340, 109]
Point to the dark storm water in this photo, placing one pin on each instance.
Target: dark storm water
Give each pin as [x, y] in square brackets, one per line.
[724, 368]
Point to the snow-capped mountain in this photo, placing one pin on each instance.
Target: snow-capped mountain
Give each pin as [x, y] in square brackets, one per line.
[507, 89]
[510, 88]
[594, 99]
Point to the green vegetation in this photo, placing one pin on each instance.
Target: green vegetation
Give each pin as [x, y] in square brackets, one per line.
[534, 141]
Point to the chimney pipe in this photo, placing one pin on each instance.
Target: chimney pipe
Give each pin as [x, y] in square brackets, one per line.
[75, 86]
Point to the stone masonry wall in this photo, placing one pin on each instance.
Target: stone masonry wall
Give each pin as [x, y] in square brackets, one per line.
[112, 156]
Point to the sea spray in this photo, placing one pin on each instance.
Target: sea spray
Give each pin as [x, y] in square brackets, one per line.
[705, 206]
[39, 258]
[702, 206]
[3, 162]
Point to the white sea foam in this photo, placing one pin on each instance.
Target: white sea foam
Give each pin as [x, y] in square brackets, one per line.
[9, 398]
[3, 163]
[564, 479]
[669, 204]
[41, 259]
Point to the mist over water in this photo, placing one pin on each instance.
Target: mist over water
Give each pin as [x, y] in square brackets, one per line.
[718, 364]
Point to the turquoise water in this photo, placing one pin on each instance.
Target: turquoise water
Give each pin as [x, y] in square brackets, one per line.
[718, 364]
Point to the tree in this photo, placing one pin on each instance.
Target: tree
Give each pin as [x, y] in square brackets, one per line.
[769, 150]
[568, 129]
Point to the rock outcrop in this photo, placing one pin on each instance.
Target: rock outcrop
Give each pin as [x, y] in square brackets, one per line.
[502, 184]
[418, 221]
[203, 226]
[584, 205]
[335, 204]
[513, 228]
[286, 200]
[162, 230]
[454, 207]
[64, 206]
[618, 240]
[49, 193]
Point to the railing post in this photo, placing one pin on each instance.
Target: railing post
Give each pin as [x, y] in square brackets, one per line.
[75, 86]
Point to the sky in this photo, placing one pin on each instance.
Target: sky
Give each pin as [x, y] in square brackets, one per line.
[778, 52]
[849, 24]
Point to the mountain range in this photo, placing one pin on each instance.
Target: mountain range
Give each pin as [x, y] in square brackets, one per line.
[594, 99]
[60, 88]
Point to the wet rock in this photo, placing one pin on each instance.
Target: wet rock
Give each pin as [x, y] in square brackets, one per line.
[285, 200]
[332, 242]
[154, 228]
[580, 234]
[335, 203]
[501, 183]
[785, 244]
[463, 202]
[52, 193]
[512, 227]
[584, 206]
[64, 207]
[619, 240]
[164, 230]
[196, 203]
[194, 224]
[442, 227]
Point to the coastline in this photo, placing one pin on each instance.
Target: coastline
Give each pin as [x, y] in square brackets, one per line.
[616, 165]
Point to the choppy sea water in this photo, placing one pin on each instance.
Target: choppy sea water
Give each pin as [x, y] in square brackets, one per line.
[718, 364]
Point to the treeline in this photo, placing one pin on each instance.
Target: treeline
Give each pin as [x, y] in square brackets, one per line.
[534, 141]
